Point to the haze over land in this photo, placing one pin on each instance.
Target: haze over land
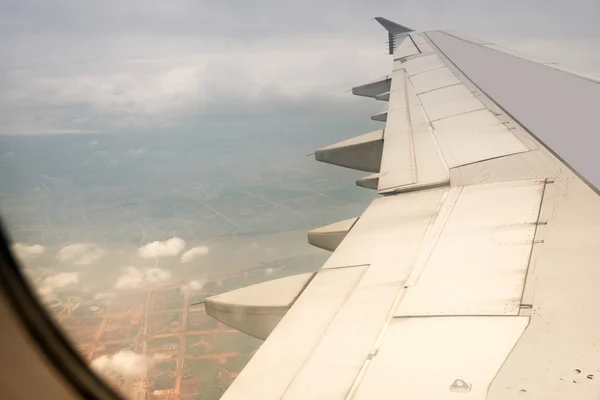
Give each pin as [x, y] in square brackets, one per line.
[119, 243]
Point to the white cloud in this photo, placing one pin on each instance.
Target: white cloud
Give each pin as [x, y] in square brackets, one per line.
[24, 251]
[60, 280]
[170, 247]
[197, 284]
[81, 253]
[193, 286]
[153, 72]
[133, 278]
[194, 252]
[125, 363]
[94, 143]
[168, 79]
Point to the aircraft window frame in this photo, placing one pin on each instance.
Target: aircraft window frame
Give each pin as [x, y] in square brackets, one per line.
[43, 332]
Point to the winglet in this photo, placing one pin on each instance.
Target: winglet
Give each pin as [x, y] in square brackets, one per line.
[393, 27]
[393, 30]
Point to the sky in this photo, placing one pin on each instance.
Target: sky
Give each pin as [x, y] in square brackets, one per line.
[124, 66]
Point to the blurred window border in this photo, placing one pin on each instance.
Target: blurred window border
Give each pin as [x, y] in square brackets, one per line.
[49, 364]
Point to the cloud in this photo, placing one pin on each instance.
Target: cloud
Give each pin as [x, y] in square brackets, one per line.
[94, 143]
[66, 67]
[124, 363]
[193, 286]
[133, 278]
[23, 251]
[150, 82]
[60, 280]
[81, 253]
[197, 284]
[170, 247]
[194, 253]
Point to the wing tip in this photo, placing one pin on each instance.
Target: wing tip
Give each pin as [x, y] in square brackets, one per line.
[393, 27]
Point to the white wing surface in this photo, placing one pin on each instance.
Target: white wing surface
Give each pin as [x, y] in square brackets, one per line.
[475, 274]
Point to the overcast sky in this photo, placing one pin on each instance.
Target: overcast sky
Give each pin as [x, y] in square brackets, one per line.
[70, 66]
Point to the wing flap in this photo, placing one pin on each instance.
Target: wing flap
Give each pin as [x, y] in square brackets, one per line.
[270, 372]
[437, 78]
[449, 101]
[436, 123]
[419, 65]
[477, 265]
[427, 166]
[422, 43]
[397, 165]
[387, 222]
[439, 358]
[475, 136]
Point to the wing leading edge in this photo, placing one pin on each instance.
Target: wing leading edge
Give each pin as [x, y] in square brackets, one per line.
[474, 275]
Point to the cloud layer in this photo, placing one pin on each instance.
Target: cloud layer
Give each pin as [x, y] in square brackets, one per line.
[80, 253]
[60, 280]
[194, 253]
[193, 286]
[124, 66]
[133, 278]
[23, 251]
[170, 247]
[121, 65]
[125, 363]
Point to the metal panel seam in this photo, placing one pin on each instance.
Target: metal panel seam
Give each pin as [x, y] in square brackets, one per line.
[303, 289]
[424, 72]
[452, 198]
[492, 158]
[439, 88]
[396, 190]
[376, 344]
[413, 41]
[316, 345]
[487, 391]
[462, 113]
[528, 272]
[391, 313]
[413, 156]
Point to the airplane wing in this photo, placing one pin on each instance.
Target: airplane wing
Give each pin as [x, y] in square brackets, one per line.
[474, 275]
